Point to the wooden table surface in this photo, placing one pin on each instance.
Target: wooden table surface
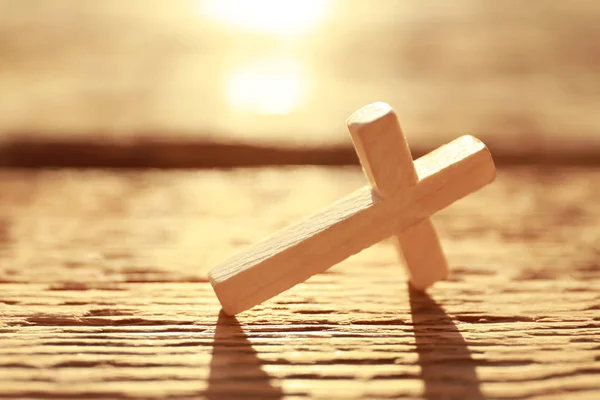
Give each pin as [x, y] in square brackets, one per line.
[103, 291]
[103, 273]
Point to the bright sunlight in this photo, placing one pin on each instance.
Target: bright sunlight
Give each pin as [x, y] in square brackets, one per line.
[277, 17]
[267, 87]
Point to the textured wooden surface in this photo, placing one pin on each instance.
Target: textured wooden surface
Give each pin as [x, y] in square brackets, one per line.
[103, 292]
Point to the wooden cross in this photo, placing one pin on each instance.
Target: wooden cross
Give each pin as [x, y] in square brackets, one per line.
[399, 201]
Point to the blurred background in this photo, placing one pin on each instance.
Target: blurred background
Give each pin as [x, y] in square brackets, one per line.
[219, 82]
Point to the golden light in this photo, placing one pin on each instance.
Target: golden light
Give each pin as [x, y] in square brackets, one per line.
[267, 87]
[278, 17]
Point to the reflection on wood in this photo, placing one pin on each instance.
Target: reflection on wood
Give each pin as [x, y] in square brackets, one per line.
[235, 369]
[443, 353]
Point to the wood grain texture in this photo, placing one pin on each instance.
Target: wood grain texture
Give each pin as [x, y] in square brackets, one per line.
[104, 292]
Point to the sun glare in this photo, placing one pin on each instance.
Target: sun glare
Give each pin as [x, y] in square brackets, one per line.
[267, 87]
[277, 17]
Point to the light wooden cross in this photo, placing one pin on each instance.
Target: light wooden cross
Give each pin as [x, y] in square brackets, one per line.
[399, 201]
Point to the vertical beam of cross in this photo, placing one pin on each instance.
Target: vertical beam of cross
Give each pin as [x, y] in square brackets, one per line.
[386, 159]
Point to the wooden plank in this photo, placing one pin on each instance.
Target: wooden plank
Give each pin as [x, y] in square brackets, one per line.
[104, 292]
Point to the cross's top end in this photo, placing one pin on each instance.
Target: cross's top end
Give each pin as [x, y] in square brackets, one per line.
[369, 114]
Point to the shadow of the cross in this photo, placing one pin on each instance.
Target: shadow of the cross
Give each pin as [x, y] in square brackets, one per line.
[236, 372]
[447, 368]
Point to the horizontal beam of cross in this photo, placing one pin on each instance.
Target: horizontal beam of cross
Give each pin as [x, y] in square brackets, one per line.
[350, 225]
